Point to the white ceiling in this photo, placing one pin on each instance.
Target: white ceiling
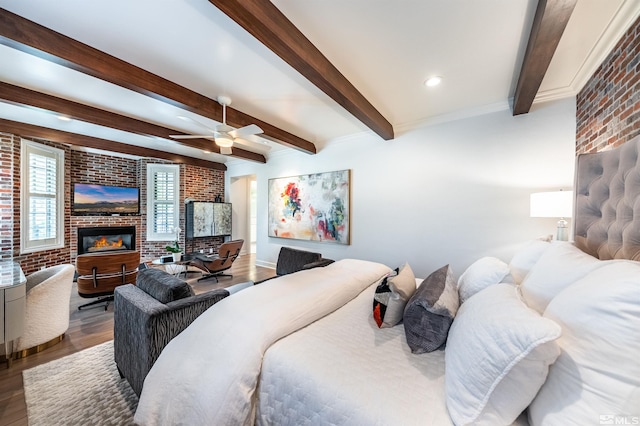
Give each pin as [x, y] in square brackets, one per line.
[385, 48]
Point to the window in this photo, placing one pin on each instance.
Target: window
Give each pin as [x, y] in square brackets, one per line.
[163, 198]
[42, 197]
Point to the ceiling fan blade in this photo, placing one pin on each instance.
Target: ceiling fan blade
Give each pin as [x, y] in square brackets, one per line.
[249, 130]
[191, 120]
[192, 136]
[223, 128]
[251, 144]
[225, 151]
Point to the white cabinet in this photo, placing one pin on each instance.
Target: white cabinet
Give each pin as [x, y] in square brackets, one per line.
[12, 303]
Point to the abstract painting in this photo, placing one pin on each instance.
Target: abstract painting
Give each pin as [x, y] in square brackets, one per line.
[311, 207]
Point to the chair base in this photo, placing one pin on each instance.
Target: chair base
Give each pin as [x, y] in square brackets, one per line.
[33, 350]
[216, 276]
[96, 303]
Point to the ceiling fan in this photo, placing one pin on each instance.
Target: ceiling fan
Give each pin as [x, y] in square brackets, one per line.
[224, 135]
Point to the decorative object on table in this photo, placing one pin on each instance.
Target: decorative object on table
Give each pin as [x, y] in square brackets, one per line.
[175, 247]
[148, 315]
[100, 273]
[47, 309]
[218, 199]
[554, 204]
[312, 207]
[214, 266]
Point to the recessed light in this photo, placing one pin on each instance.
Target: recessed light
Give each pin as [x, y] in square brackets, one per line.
[64, 118]
[206, 152]
[433, 81]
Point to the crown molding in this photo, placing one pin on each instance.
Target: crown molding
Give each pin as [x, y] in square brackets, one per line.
[622, 20]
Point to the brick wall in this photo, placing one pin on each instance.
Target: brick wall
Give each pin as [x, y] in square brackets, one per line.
[155, 249]
[198, 183]
[102, 169]
[31, 262]
[201, 184]
[608, 106]
[6, 196]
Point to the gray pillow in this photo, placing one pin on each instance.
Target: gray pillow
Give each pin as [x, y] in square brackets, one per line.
[162, 286]
[430, 311]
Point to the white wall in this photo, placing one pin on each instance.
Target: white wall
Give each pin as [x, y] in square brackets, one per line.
[238, 196]
[446, 193]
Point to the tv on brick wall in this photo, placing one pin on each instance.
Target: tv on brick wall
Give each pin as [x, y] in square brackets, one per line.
[103, 200]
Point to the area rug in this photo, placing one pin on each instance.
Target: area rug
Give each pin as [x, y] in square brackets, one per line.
[80, 389]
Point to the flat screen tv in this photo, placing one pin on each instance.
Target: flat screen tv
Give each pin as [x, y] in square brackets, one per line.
[103, 200]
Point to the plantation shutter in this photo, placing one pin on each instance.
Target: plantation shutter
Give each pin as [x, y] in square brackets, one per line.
[42, 197]
[163, 208]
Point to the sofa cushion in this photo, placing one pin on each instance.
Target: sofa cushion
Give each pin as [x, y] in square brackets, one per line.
[293, 260]
[430, 311]
[162, 286]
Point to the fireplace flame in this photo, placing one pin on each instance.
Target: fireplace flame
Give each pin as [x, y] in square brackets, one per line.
[103, 243]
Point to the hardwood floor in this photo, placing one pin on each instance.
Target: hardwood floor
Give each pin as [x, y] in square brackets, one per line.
[91, 327]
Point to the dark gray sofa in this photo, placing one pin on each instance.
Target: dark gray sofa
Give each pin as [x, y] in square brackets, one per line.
[148, 315]
[292, 260]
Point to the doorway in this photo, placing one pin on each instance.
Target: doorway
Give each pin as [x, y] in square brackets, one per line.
[243, 194]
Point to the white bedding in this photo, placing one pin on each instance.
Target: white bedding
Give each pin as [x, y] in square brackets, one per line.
[344, 370]
[207, 375]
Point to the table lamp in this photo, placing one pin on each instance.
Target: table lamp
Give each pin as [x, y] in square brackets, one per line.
[554, 204]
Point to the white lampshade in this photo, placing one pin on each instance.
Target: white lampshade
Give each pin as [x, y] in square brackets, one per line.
[552, 204]
[224, 141]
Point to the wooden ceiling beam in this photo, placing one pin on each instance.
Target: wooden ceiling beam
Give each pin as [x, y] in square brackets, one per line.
[263, 20]
[27, 97]
[549, 23]
[53, 135]
[30, 37]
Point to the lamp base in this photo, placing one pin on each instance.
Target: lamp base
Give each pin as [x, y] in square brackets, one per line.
[563, 231]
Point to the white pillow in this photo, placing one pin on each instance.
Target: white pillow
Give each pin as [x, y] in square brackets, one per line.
[560, 265]
[497, 357]
[598, 371]
[524, 259]
[481, 274]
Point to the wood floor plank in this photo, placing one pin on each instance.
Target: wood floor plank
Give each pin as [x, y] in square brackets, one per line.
[91, 327]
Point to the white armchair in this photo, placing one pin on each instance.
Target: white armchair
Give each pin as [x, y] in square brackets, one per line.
[47, 308]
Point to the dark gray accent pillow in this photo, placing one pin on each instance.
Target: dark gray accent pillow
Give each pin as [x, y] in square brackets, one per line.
[430, 311]
[162, 286]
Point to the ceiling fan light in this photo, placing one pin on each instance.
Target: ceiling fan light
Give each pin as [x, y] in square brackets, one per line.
[224, 141]
[433, 81]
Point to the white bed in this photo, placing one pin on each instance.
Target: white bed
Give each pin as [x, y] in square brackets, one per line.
[342, 370]
[304, 348]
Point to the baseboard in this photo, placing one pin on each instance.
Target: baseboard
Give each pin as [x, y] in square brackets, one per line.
[265, 264]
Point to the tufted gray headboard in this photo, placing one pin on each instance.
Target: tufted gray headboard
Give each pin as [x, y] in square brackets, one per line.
[607, 202]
